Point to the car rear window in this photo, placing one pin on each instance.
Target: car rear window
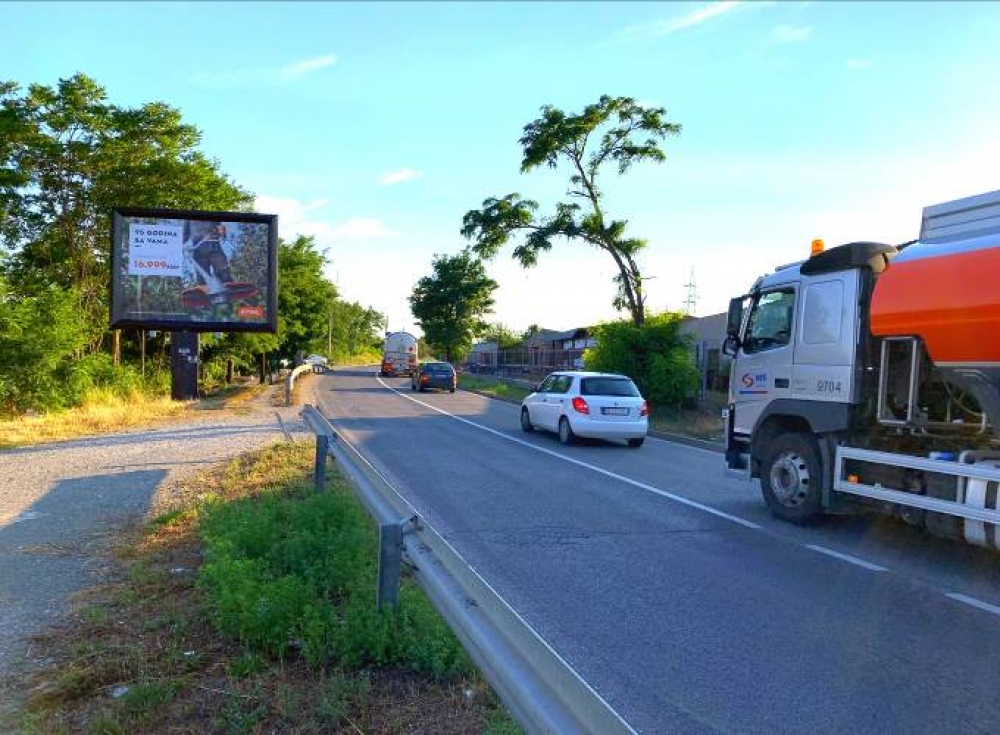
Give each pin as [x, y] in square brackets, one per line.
[439, 367]
[608, 387]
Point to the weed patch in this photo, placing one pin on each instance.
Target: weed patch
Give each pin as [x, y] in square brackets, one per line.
[251, 609]
[493, 386]
[295, 571]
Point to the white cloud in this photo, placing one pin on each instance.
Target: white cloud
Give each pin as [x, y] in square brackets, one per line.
[398, 177]
[791, 34]
[298, 68]
[656, 29]
[258, 74]
[859, 63]
[300, 218]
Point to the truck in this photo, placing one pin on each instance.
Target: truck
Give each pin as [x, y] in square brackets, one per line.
[866, 378]
[399, 354]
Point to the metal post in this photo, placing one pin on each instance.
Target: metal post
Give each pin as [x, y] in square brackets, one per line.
[390, 559]
[183, 365]
[703, 364]
[322, 444]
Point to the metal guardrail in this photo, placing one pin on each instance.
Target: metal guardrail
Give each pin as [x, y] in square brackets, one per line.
[540, 689]
[290, 380]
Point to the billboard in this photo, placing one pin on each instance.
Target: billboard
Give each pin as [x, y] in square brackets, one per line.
[195, 271]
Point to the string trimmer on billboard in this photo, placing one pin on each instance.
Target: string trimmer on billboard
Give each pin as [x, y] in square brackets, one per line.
[194, 271]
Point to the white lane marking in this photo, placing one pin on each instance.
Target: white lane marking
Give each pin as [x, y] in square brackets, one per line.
[959, 597]
[599, 470]
[510, 608]
[848, 558]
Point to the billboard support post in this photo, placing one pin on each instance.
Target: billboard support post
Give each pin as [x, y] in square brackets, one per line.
[183, 366]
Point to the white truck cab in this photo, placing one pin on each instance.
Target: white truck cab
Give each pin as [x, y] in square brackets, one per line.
[795, 341]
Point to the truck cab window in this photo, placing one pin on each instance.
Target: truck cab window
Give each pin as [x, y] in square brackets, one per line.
[771, 321]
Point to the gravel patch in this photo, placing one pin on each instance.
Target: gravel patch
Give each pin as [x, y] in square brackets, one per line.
[62, 503]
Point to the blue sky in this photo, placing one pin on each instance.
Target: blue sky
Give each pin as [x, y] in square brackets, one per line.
[376, 126]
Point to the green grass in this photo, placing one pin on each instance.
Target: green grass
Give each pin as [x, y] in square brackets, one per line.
[277, 632]
[293, 569]
[493, 386]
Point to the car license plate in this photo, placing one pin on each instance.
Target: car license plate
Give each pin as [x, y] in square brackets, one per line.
[614, 411]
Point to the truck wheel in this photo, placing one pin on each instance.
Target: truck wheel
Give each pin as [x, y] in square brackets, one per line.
[566, 435]
[791, 478]
[526, 425]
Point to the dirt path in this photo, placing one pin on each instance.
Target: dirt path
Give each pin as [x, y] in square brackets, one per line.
[61, 504]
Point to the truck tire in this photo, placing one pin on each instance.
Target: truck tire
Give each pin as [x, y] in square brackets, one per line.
[791, 478]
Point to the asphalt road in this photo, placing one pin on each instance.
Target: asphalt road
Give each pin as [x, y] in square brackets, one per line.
[673, 592]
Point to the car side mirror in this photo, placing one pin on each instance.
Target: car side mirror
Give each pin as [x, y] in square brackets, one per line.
[731, 345]
[535, 387]
[734, 319]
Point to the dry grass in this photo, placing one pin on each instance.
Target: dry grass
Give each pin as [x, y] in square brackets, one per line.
[107, 413]
[140, 655]
[101, 415]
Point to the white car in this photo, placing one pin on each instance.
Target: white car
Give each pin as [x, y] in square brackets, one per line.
[574, 403]
[315, 360]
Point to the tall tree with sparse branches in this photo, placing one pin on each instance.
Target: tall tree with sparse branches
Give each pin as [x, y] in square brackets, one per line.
[615, 130]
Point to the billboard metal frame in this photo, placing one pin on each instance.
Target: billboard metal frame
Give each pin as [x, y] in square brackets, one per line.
[182, 325]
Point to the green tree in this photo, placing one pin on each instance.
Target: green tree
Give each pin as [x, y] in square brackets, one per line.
[450, 304]
[505, 338]
[305, 297]
[354, 329]
[657, 356]
[615, 130]
[67, 158]
[41, 337]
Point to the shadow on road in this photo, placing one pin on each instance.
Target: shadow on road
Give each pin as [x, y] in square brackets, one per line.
[51, 549]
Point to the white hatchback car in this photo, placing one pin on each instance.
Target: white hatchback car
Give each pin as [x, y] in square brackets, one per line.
[593, 405]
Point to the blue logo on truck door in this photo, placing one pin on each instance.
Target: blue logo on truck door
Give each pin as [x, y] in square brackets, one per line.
[753, 384]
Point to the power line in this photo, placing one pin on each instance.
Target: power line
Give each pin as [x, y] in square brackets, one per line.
[691, 300]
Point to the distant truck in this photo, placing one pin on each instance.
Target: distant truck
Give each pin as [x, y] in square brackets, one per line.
[867, 377]
[399, 355]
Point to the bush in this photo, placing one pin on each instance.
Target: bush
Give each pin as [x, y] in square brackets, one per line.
[658, 357]
[43, 365]
[39, 338]
[299, 570]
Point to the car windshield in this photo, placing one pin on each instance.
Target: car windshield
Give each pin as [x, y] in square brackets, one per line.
[608, 387]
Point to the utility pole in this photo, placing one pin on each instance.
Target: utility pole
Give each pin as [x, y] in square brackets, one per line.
[691, 300]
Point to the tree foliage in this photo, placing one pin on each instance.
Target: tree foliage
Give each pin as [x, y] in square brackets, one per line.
[67, 158]
[504, 337]
[615, 131]
[657, 356]
[450, 304]
[356, 330]
[311, 316]
[39, 337]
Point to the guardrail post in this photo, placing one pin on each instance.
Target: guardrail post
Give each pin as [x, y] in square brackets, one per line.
[390, 559]
[322, 446]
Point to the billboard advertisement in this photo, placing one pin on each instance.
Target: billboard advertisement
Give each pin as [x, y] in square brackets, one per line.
[196, 271]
